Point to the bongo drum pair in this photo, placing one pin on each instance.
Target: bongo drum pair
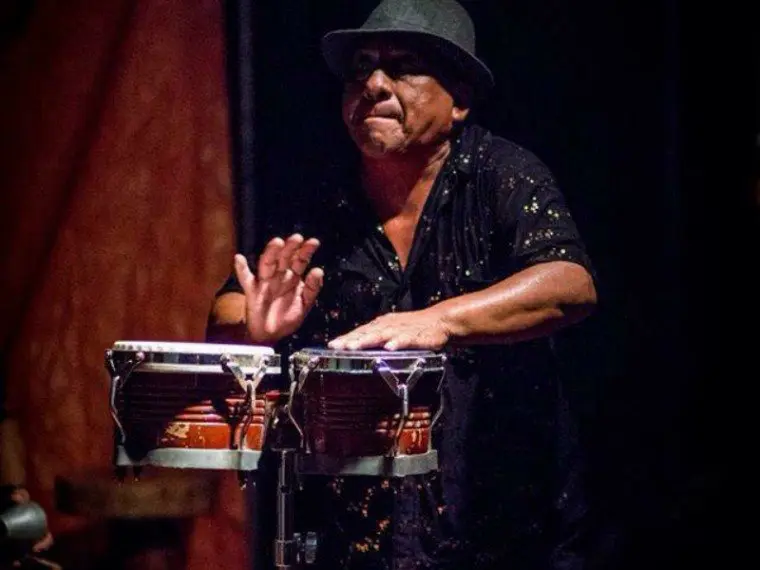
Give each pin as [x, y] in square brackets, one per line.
[217, 406]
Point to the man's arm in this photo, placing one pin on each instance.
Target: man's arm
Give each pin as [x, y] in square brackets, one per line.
[226, 321]
[532, 303]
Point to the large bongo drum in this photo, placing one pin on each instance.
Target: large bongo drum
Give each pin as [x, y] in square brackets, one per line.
[366, 412]
[190, 405]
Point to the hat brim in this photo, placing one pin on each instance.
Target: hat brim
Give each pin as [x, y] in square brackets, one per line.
[338, 47]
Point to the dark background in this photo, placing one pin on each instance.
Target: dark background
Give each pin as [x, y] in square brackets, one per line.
[647, 114]
[116, 134]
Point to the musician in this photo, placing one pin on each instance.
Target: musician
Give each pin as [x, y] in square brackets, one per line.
[441, 236]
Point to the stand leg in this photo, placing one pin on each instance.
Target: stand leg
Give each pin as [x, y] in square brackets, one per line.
[286, 542]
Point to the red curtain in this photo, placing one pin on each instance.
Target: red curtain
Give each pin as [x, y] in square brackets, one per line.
[115, 220]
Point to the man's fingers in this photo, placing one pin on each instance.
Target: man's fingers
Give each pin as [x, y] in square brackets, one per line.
[280, 255]
[291, 246]
[302, 256]
[312, 287]
[374, 339]
[403, 341]
[267, 266]
[244, 274]
[351, 338]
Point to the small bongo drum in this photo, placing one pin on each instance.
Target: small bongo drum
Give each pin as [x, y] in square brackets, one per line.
[190, 405]
[366, 412]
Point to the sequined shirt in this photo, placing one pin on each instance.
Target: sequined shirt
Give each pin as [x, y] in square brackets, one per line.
[507, 494]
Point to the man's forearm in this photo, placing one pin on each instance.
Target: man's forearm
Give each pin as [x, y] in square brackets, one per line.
[226, 323]
[530, 304]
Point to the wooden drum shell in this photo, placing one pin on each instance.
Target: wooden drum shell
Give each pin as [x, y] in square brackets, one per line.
[186, 411]
[355, 412]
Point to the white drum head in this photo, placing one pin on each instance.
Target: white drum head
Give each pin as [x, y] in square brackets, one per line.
[174, 357]
[366, 361]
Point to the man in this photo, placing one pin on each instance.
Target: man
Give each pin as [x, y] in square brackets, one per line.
[445, 238]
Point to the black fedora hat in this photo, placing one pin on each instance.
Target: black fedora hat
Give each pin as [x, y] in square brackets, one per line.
[443, 25]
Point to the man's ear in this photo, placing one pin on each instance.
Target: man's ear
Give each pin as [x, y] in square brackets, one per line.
[459, 114]
[463, 96]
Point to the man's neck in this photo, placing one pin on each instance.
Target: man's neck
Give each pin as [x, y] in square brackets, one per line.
[399, 184]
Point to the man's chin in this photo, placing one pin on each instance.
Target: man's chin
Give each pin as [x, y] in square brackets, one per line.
[379, 148]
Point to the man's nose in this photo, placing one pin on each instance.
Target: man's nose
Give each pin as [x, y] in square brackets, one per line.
[377, 85]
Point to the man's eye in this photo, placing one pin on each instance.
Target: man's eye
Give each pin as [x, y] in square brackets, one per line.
[361, 69]
[405, 66]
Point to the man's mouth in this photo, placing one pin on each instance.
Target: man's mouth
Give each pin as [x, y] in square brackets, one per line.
[380, 118]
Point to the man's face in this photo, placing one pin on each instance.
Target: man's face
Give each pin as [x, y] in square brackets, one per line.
[393, 101]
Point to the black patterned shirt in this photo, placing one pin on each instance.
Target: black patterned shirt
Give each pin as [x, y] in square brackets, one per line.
[508, 492]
